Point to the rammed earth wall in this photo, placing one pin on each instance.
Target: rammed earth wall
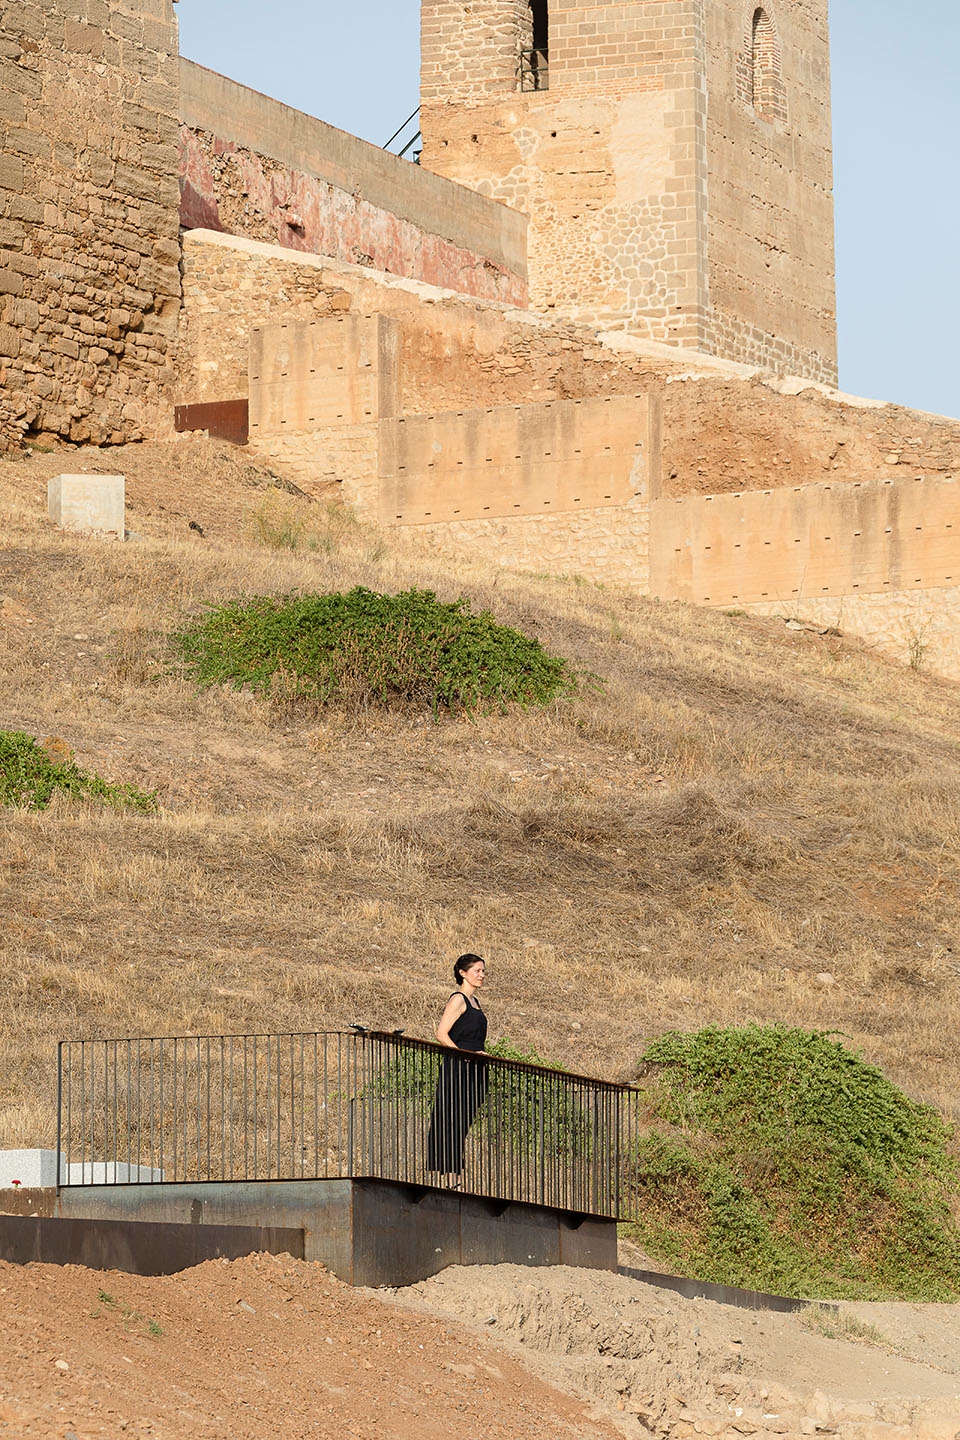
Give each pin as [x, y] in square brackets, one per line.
[253, 167]
[89, 249]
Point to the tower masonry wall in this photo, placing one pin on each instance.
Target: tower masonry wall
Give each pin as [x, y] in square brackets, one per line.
[605, 161]
[89, 248]
[666, 195]
[770, 248]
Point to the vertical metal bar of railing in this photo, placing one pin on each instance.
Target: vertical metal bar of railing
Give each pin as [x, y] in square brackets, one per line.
[206, 1089]
[138, 1069]
[185, 1134]
[222, 1169]
[256, 1127]
[59, 1109]
[269, 1107]
[69, 1107]
[93, 1108]
[316, 1101]
[126, 1105]
[293, 1117]
[83, 1105]
[301, 1145]
[233, 1156]
[163, 1112]
[152, 1115]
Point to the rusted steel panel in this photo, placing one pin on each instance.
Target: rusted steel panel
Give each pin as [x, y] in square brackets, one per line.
[138, 1247]
[692, 1289]
[21, 1201]
[222, 419]
[367, 1232]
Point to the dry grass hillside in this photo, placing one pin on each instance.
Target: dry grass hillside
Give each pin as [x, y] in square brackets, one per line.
[746, 823]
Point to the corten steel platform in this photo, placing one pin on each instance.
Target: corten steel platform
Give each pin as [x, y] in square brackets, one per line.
[367, 1232]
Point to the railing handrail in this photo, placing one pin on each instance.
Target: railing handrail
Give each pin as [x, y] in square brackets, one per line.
[353, 1032]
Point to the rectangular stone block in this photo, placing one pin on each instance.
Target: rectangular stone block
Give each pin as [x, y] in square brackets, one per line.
[27, 1169]
[11, 172]
[87, 502]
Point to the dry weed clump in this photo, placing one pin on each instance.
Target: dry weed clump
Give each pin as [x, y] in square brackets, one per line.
[747, 825]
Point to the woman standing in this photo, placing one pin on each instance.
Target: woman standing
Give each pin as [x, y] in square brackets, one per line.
[462, 1085]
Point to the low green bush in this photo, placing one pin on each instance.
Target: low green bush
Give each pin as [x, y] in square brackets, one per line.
[372, 647]
[783, 1161]
[30, 777]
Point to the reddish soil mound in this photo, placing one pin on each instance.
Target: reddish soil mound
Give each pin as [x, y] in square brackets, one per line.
[260, 1348]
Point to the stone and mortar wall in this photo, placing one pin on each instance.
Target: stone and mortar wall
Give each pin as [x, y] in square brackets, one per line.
[563, 486]
[566, 481]
[253, 167]
[646, 172]
[917, 627]
[89, 250]
[318, 391]
[725, 428]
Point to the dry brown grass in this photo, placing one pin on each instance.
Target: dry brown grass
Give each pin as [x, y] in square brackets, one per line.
[742, 810]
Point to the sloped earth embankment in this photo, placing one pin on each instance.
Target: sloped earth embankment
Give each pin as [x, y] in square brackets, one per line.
[678, 1368]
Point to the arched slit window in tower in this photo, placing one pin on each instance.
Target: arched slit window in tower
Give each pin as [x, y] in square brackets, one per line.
[768, 94]
[534, 50]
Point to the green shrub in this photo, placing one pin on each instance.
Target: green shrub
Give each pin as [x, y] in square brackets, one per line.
[373, 647]
[30, 776]
[790, 1164]
[507, 1049]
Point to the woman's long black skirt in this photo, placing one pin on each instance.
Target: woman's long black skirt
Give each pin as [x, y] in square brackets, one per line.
[461, 1090]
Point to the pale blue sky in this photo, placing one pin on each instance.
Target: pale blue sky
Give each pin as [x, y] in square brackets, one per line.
[896, 119]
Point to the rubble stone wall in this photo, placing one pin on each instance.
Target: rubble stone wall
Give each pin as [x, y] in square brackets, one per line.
[89, 249]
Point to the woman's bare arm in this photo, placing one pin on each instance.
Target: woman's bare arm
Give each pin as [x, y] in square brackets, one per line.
[454, 1008]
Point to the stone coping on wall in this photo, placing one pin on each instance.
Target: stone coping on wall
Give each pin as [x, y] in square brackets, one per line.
[244, 117]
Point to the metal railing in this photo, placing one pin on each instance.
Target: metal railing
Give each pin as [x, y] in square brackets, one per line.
[358, 1104]
[534, 70]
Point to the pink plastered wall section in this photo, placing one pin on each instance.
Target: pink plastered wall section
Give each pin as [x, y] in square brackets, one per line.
[263, 200]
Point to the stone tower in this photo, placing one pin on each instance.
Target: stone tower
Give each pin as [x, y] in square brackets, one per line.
[674, 158]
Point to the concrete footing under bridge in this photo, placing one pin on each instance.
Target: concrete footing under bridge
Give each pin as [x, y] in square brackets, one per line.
[367, 1232]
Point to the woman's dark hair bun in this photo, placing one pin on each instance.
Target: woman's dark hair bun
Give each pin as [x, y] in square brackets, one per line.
[463, 964]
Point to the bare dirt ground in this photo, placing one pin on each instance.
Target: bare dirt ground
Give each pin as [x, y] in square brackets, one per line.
[270, 1348]
[675, 1367]
[251, 1350]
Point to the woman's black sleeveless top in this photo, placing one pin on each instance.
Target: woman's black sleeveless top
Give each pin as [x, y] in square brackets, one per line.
[469, 1030]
